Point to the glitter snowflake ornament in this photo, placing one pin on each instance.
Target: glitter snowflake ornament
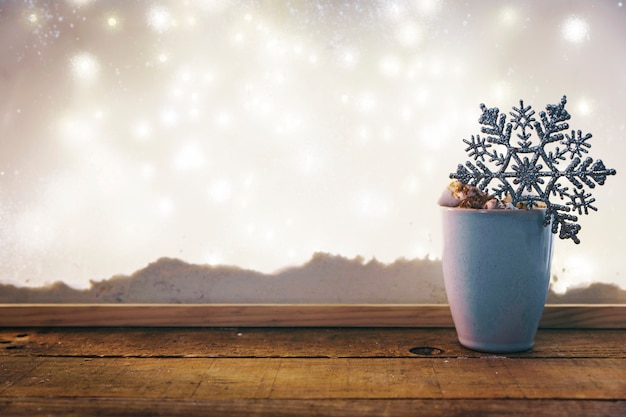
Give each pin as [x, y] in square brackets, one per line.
[530, 172]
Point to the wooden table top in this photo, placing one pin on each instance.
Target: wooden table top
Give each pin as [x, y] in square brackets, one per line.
[305, 372]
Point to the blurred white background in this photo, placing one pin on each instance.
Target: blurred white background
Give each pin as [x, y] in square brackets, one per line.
[255, 133]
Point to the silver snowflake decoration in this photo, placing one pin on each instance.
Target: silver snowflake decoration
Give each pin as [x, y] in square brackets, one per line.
[531, 171]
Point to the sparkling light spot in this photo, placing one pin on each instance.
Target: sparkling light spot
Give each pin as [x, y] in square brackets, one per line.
[367, 102]
[142, 130]
[348, 57]
[33, 18]
[165, 206]
[189, 157]
[239, 38]
[159, 19]
[185, 76]
[220, 191]
[85, 67]
[393, 10]
[81, 2]
[420, 251]
[509, 16]
[223, 119]
[112, 22]
[575, 29]
[502, 90]
[575, 271]
[372, 204]
[363, 135]
[584, 107]
[208, 78]
[390, 66]
[169, 117]
[428, 8]
[214, 258]
[409, 34]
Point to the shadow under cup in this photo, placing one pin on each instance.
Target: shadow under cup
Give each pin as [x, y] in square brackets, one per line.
[496, 267]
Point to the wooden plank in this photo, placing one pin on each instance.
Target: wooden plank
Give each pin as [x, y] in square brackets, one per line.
[584, 316]
[289, 342]
[223, 315]
[14, 371]
[282, 315]
[243, 407]
[304, 371]
[309, 378]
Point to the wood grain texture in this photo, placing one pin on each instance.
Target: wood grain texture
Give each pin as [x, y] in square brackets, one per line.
[286, 315]
[305, 372]
[316, 378]
[244, 407]
[289, 343]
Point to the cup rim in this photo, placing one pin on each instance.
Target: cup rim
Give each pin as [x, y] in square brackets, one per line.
[503, 212]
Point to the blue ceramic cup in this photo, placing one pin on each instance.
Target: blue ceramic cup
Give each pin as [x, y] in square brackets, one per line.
[496, 268]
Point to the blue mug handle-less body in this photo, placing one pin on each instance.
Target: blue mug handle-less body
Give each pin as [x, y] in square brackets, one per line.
[496, 267]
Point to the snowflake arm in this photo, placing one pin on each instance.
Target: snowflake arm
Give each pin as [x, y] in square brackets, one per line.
[556, 155]
[557, 189]
[522, 117]
[576, 144]
[552, 122]
[581, 201]
[599, 172]
[494, 124]
[479, 175]
[588, 173]
[477, 147]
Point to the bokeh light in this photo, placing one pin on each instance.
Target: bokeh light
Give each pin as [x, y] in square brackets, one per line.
[575, 29]
[85, 67]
